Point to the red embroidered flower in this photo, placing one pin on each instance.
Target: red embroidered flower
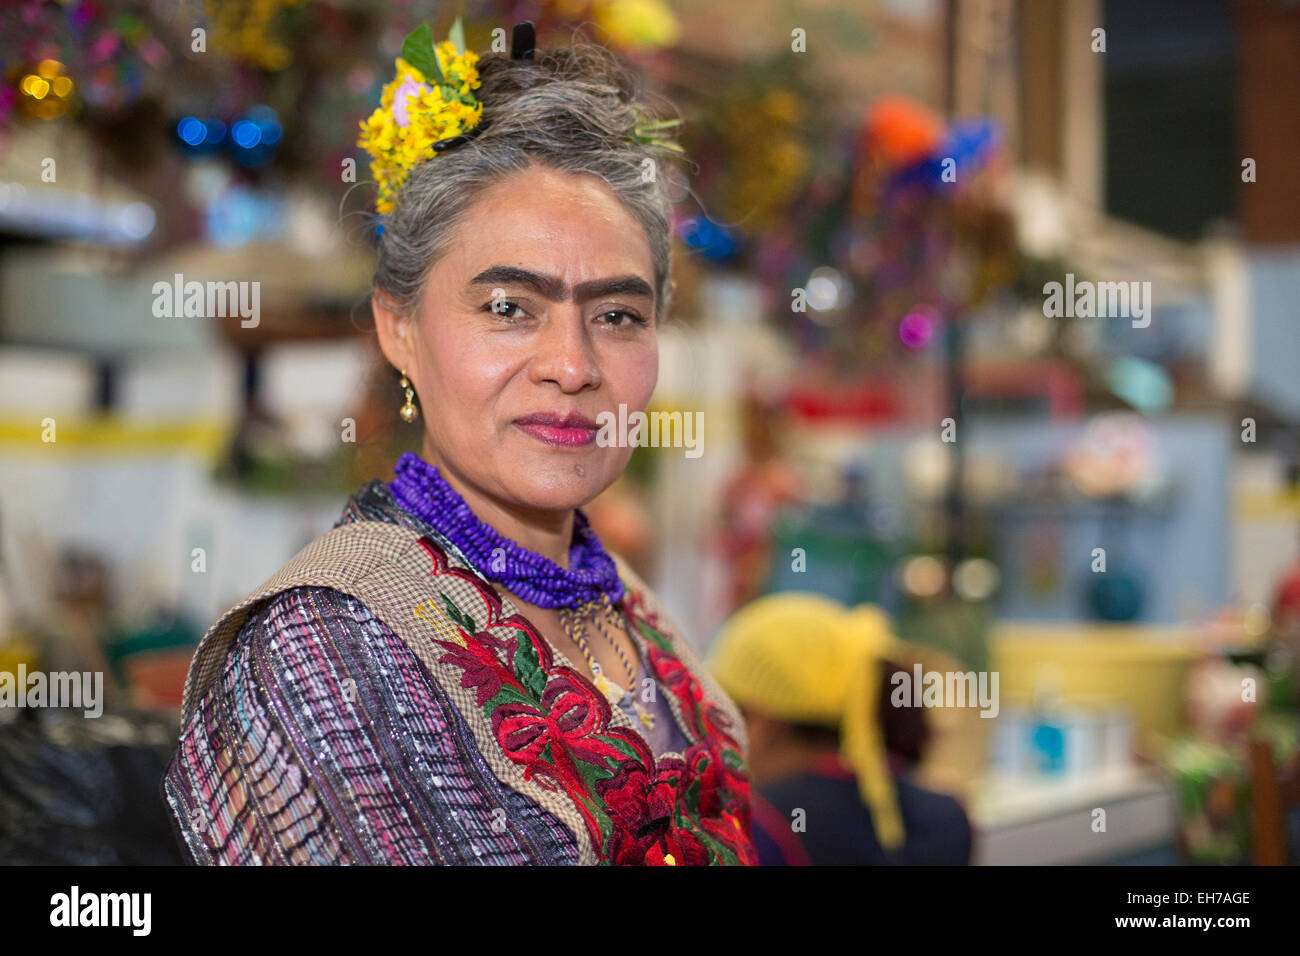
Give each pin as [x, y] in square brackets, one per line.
[677, 677]
[732, 833]
[481, 671]
[581, 714]
[565, 718]
[634, 605]
[678, 847]
[677, 811]
[709, 780]
[624, 796]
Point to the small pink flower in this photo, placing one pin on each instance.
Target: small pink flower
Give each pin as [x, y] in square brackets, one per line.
[408, 88]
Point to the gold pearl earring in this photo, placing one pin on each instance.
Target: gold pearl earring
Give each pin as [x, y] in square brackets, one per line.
[408, 411]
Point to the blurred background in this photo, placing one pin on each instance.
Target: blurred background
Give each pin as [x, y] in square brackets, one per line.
[1105, 514]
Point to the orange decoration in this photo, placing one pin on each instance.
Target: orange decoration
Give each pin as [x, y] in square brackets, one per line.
[899, 131]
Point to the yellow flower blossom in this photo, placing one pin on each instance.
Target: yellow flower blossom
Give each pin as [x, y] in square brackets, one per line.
[434, 111]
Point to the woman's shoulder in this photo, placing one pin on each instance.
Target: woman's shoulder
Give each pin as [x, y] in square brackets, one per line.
[304, 653]
[308, 632]
[338, 588]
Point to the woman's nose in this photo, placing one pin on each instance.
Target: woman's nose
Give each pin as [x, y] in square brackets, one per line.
[565, 352]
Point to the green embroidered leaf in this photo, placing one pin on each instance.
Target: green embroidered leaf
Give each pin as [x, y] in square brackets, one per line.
[720, 851]
[506, 695]
[457, 36]
[623, 746]
[591, 773]
[417, 50]
[733, 760]
[650, 634]
[457, 615]
[528, 669]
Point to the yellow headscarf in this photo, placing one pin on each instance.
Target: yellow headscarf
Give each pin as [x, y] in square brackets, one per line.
[805, 658]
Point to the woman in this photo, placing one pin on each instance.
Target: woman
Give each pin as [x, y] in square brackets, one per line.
[827, 749]
[458, 672]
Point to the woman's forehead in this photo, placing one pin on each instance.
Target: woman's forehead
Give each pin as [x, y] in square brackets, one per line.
[555, 224]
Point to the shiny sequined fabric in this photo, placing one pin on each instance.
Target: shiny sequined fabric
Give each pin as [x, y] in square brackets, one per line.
[315, 733]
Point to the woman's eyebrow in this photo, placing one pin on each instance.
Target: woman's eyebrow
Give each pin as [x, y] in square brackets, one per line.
[554, 288]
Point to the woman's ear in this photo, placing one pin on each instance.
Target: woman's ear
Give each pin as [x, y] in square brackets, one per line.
[395, 330]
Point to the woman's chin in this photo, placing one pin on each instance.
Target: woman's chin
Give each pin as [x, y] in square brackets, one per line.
[562, 482]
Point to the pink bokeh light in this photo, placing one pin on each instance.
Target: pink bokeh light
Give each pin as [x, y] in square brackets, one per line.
[918, 326]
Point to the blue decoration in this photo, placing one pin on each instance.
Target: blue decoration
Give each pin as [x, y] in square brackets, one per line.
[713, 240]
[968, 144]
[251, 142]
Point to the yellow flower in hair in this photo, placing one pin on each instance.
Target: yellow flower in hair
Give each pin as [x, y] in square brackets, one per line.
[430, 98]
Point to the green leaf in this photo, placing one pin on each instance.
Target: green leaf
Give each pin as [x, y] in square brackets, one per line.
[658, 124]
[417, 50]
[457, 36]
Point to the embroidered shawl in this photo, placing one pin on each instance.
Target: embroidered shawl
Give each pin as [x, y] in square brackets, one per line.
[375, 701]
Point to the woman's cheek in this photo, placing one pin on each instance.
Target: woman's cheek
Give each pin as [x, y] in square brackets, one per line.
[638, 376]
[477, 368]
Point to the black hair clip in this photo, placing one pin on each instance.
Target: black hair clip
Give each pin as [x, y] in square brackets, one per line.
[523, 41]
[445, 144]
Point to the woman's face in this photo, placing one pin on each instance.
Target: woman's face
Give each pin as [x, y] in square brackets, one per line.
[539, 318]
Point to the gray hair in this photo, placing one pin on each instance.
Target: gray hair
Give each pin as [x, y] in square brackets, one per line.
[571, 109]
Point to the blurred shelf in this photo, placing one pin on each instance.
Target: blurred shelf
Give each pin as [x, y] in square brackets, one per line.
[1035, 821]
[1036, 506]
[54, 214]
[1265, 506]
[115, 436]
[310, 322]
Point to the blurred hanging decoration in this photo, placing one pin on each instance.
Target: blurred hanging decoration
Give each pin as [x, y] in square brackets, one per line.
[637, 24]
[909, 221]
[250, 139]
[55, 57]
[918, 326]
[46, 91]
[244, 30]
[897, 133]
[714, 241]
[201, 76]
[764, 138]
[751, 136]
[255, 135]
[629, 26]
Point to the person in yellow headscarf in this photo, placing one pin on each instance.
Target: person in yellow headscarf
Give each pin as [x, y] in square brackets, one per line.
[827, 750]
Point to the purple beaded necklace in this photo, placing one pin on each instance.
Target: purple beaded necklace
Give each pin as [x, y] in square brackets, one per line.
[533, 578]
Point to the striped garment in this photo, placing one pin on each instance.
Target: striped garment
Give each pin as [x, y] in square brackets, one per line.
[409, 715]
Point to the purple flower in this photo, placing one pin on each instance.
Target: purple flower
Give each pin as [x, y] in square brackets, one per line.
[408, 88]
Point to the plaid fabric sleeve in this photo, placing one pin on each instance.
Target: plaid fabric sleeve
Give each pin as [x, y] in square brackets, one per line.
[325, 741]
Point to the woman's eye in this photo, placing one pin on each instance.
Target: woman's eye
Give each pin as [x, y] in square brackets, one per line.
[621, 317]
[505, 309]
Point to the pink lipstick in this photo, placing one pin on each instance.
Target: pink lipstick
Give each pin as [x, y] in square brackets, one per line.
[564, 430]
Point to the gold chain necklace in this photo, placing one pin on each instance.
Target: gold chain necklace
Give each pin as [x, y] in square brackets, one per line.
[604, 616]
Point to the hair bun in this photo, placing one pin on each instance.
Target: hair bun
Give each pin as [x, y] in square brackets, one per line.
[587, 66]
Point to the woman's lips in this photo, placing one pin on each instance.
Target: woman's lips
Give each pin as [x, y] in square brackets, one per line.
[567, 431]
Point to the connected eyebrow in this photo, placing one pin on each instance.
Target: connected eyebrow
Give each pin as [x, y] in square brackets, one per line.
[554, 289]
